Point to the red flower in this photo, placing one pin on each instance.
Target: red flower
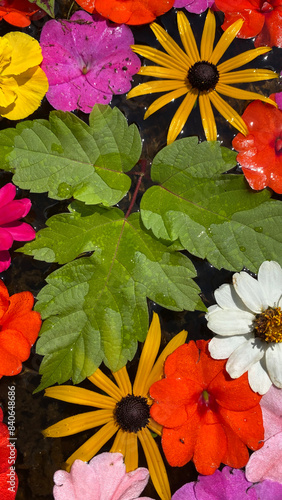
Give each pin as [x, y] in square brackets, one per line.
[206, 415]
[8, 477]
[128, 11]
[19, 12]
[260, 152]
[19, 328]
[262, 19]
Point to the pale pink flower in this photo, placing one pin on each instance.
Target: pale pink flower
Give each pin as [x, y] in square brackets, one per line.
[103, 478]
[11, 229]
[266, 463]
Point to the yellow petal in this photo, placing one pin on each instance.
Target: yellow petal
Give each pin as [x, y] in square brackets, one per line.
[93, 445]
[80, 396]
[155, 464]
[5, 53]
[163, 72]
[131, 453]
[242, 94]
[181, 116]
[156, 56]
[158, 369]
[32, 86]
[119, 444]
[26, 53]
[7, 91]
[241, 59]
[171, 47]
[155, 427]
[228, 112]
[207, 40]
[78, 423]
[225, 40]
[154, 86]
[207, 117]
[188, 39]
[165, 99]
[148, 356]
[105, 384]
[122, 379]
[248, 75]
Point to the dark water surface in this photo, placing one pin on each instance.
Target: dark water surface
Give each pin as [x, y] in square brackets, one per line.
[38, 458]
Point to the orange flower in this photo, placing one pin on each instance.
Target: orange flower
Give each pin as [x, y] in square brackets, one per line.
[206, 415]
[19, 328]
[19, 12]
[128, 11]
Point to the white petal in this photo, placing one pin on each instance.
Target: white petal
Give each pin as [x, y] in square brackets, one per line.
[244, 357]
[274, 363]
[258, 377]
[270, 280]
[250, 291]
[222, 347]
[227, 298]
[230, 322]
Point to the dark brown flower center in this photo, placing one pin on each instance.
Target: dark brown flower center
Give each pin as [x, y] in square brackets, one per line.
[268, 325]
[203, 76]
[132, 413]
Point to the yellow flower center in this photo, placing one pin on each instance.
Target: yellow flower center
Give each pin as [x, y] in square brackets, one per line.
[268, 325]
[132, 413]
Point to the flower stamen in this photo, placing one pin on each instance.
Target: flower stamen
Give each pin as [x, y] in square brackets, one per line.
[203, 76]
[132, 413]
[268, 325]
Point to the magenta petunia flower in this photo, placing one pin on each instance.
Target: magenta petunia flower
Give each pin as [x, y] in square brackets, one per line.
[194, 6]
[228, 484]
[103, 478]
[87, 60]
[10, 227]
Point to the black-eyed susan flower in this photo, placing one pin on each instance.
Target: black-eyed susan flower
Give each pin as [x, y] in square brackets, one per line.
[193, 74]
[124, 412]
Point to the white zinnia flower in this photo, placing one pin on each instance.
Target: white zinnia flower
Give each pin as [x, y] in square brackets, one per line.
[248, 322]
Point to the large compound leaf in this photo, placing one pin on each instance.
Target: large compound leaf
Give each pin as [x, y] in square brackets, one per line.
[66, 157]
[96, 306]
[214, 216]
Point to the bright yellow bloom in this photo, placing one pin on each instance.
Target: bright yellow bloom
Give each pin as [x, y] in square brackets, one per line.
[23, 83]
[199, 75]
[125, 411]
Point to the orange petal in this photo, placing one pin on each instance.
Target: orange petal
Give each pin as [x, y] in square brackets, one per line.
[210, 447]
[234, 394]
[179, 443]
[14, 349]
[247, 425]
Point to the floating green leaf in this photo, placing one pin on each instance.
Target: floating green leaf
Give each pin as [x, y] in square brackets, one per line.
[46, 5]
[66, 157]
[96, 306]
[214, 216]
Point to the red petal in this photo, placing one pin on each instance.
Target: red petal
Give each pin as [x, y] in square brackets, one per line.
[247, 425]
[179, 443]
[87, 5]
[236, 454]
[233, 394]
[271, 34]
[20, 317]
[133, 11]
[209, 448]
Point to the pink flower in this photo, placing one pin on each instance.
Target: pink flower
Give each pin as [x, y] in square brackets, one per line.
[10, 227]
[266, 463]
[103, 478]
[195, 6]
[86, 60]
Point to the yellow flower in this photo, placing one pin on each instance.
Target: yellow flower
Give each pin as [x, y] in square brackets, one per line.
[23, 83]
[199, 75]
[125, 411]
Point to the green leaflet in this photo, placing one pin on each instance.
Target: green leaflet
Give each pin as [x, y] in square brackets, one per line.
[66, 157]
[46, 5]
[97, 305]
[213, 216]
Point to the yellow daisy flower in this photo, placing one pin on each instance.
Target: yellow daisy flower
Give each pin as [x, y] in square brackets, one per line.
[125, 411]
[199, 75]
[23, 83]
